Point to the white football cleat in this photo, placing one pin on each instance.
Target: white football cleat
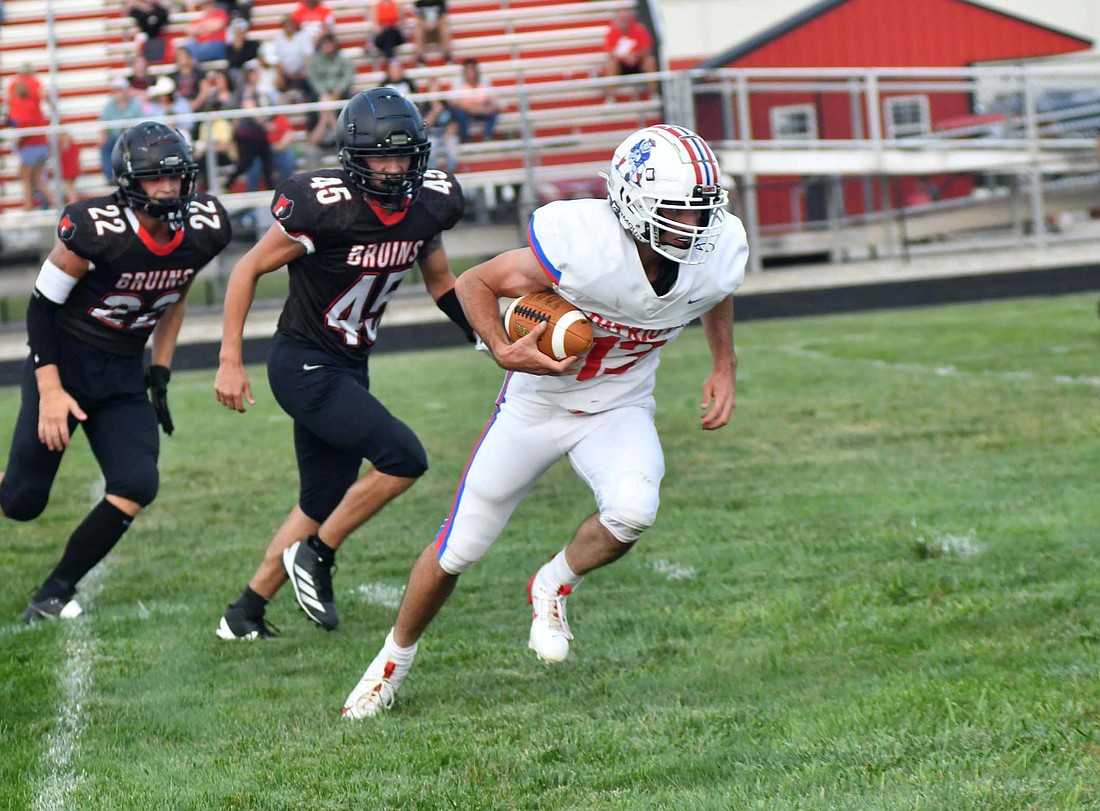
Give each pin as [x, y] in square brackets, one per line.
[550, 634]
[377, 690]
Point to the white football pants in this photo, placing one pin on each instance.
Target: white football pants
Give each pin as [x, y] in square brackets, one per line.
[617, 453]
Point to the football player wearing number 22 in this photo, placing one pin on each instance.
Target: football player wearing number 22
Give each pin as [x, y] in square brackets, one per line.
[641, 265]
[348, 237]
[120, 272]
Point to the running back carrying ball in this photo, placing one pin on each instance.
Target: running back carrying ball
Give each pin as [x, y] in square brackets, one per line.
[567, 332]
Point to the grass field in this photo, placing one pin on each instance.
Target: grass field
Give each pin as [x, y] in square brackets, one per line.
[878, 588]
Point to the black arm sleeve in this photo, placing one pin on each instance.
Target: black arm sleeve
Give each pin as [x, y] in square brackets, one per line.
[42, 332]
[448, 303]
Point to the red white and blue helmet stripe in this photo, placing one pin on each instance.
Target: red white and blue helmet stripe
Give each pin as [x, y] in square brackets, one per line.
[698, 152]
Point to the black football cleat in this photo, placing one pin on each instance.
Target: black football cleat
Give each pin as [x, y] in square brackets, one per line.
[237, 625]
[52, 608]
[312, 581]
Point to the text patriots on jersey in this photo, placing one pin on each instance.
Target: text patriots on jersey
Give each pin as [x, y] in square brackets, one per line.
[628, 332]
[154, 279]
[399, 253]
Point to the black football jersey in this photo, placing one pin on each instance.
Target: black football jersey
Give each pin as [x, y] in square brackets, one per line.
[357, 256]
[133, 278]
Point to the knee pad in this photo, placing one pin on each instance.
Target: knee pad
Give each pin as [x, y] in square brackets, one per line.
[23, 504]
[453, 563]
[138, 486]
[627, 525]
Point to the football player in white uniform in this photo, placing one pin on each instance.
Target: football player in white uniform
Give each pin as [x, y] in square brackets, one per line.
[642, 265]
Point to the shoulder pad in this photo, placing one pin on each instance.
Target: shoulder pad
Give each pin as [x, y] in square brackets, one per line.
[443, 198]
[308, 203]
[88, 227]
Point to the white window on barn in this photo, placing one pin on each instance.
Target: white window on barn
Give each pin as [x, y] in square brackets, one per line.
[794, 122]
[907, 115]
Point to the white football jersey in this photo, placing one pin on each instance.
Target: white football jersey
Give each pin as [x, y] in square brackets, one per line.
[593, 263]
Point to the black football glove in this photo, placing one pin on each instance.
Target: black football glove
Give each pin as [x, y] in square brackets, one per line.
[156, 379]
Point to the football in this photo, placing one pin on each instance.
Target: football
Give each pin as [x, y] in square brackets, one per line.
[568, 331]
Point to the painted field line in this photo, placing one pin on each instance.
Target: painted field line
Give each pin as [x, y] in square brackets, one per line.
[381, 594]
[60, 779]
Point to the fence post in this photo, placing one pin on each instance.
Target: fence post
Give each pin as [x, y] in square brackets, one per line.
[752, 216]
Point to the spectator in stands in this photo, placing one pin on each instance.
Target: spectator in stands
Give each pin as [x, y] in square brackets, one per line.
[23, 96]
[187, 76]
[215, 134]
[314, 18]
[472, 99]
[629, 47]
[384, 34]
[239, 49]
[331, 75]
[431, 24]
[206, 35]
[34, 152]
[121, 105]
[140, 79]
[281, 136]
[164, 100]
[69, 152]
[395, 77]
[442, 130]
[250, 137]
[238, 9]
[291, 50]
[151, 17]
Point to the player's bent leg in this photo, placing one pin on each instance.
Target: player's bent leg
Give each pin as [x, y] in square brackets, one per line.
[89, 543]
[377, 689]
[244, 618]
[428, 589]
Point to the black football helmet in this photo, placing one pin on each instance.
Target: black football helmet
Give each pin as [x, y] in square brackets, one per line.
[150, 150]
[381, 123]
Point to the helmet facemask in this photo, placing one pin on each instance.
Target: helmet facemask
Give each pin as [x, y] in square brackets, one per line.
[649, 225]
[394, 191]
[167, 209]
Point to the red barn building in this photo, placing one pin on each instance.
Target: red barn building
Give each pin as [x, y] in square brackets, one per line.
[880, 34]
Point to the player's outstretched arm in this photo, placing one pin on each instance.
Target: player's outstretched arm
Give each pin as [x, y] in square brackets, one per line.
[479, 289]
[720, 386]
[275, 249]
[59, 275]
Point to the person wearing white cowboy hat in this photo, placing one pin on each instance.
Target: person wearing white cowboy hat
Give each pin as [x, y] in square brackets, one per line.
[163, 100]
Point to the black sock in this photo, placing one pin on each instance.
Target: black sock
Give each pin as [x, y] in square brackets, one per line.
[88, 545]
[251, 603]
[326, 553]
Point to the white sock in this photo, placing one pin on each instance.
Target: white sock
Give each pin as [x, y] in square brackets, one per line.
[396, 653]
[556, 573]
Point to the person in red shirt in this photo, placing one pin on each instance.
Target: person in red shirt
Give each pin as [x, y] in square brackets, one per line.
[70, 165]
[206, 35]
[629, 47]
[24, 95]
[314, 18]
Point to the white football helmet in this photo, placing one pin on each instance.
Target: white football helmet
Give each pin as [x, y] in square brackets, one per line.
[665, 166]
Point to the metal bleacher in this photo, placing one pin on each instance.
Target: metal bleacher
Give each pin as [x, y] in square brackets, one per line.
[543, 58]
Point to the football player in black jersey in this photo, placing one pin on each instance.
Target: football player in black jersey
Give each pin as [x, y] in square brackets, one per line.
[349, 236]
[119, 273]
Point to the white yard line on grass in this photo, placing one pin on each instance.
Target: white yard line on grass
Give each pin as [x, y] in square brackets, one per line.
[381, 594]
[673, 571]
[60, 779]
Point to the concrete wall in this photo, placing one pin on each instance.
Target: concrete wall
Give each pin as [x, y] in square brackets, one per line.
[702, 28]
